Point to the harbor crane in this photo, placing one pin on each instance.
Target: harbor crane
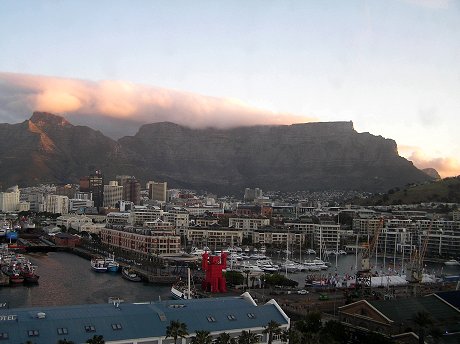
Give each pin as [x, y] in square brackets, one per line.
[364, 274]
[415, 269]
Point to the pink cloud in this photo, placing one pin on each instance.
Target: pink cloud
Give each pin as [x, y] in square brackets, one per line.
[127, 101]
[446, 166]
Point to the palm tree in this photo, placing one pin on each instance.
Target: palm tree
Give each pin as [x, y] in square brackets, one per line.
[422, 319]
[176, 329]
[272, 328]
[97, 339]
[248, 337]
[225, 338]
[202, 337]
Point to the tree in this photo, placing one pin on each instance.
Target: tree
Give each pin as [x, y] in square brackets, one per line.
[176, 329]
[225, 338]
[272, 328]
[422, 319]
[97, 339]
[248, 337]
[202, 337]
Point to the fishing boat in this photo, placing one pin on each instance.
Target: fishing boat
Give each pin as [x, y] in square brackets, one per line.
[112, 265]
[131, 275]
[98, 265]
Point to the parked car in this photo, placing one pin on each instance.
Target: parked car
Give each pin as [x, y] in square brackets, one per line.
[302, 292]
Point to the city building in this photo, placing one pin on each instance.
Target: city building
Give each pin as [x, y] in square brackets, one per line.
[94, 183]
[141, 241]
[142, 323]
[113, 194]
[213, 236]
[158, 191]
[73, 221]
[248, 224]
[77, 205]
[132, 191]
[55, 204]
[252, 194]
[9, 200]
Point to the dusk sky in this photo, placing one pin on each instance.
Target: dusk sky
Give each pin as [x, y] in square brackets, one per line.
[390, 66]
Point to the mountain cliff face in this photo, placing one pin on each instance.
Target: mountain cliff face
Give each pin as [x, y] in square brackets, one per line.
[312, 156]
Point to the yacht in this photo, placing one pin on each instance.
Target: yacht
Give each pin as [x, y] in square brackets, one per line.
[452, 262]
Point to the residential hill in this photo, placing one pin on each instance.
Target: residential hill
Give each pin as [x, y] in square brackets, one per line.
[444, 190]
[311, 156]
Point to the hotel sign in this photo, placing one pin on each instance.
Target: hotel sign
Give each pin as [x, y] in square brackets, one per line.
[8, 317]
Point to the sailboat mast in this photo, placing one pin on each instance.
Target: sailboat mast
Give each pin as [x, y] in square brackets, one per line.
[188, 283]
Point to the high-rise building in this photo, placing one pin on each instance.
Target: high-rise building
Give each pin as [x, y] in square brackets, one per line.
[56, 204]
[113, 194]
[132, 191]
[252, 194]
[9, 201]
[157, 191]
[94, 183]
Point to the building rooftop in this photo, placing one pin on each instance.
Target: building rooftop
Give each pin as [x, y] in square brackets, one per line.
[134, 321]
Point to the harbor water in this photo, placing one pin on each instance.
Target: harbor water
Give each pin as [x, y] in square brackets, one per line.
[67, 279]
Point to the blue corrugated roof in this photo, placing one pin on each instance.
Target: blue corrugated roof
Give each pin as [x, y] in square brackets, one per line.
[136, 320]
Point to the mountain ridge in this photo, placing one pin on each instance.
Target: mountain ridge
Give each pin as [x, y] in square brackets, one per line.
[304, 156]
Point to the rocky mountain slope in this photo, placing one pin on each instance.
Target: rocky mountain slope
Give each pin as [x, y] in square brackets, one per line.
[314, 156]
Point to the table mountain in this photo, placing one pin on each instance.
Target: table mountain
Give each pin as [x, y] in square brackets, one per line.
[310, 156]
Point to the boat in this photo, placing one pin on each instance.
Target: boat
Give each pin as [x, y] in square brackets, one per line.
[183, 292]
[112, 265]
[131, 275]
[452, 262]
[98, 265]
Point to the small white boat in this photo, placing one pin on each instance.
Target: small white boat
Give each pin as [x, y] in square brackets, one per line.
[452, 262]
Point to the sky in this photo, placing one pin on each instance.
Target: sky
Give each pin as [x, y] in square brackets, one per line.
[390, 66]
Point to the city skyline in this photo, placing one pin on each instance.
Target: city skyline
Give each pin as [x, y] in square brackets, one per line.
[390, 67]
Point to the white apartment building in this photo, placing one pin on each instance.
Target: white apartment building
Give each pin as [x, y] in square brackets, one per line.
[248, 224]
[9, 201]
[113, 193]
[115, 219]
[179, 217]
[327, 237]
[55, 204]
[279, 238]
[213, 237]
[365, 226]
[141, 214]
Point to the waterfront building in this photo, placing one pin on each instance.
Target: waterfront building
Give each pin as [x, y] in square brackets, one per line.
[327, 236]
[158, 191]
[55, 204]
[248, 224]
[366, 226]
[179, 217]
[214, 236]
[279, 237]
[118, 219]
[113, 194]
[442, 243]
[142, 323]
[9, 200]
[142, 241]
[92, 227]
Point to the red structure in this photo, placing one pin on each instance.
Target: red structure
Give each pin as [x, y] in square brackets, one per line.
[213, 265]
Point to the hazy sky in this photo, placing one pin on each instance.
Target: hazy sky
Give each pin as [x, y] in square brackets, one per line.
[390, 66]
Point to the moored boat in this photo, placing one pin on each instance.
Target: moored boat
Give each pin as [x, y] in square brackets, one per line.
[111, 264]
[131, 275]
[98, 265]
[452, 262]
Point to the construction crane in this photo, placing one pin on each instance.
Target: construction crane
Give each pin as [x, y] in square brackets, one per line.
[364, 275]
[415, 269]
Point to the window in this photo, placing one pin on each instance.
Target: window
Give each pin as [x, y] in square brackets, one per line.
[231, 317]
[4, 335]
[251, 316]
[211, 319]
[116, 327]
[33, 333]
[90, 328]
[62, 330]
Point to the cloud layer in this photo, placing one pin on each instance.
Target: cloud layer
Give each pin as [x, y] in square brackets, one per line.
[88, 102]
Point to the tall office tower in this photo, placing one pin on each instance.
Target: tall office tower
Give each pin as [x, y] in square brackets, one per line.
[9, 200]
[132, 191]
[157, 191]
[94, 183]
[113, 193]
